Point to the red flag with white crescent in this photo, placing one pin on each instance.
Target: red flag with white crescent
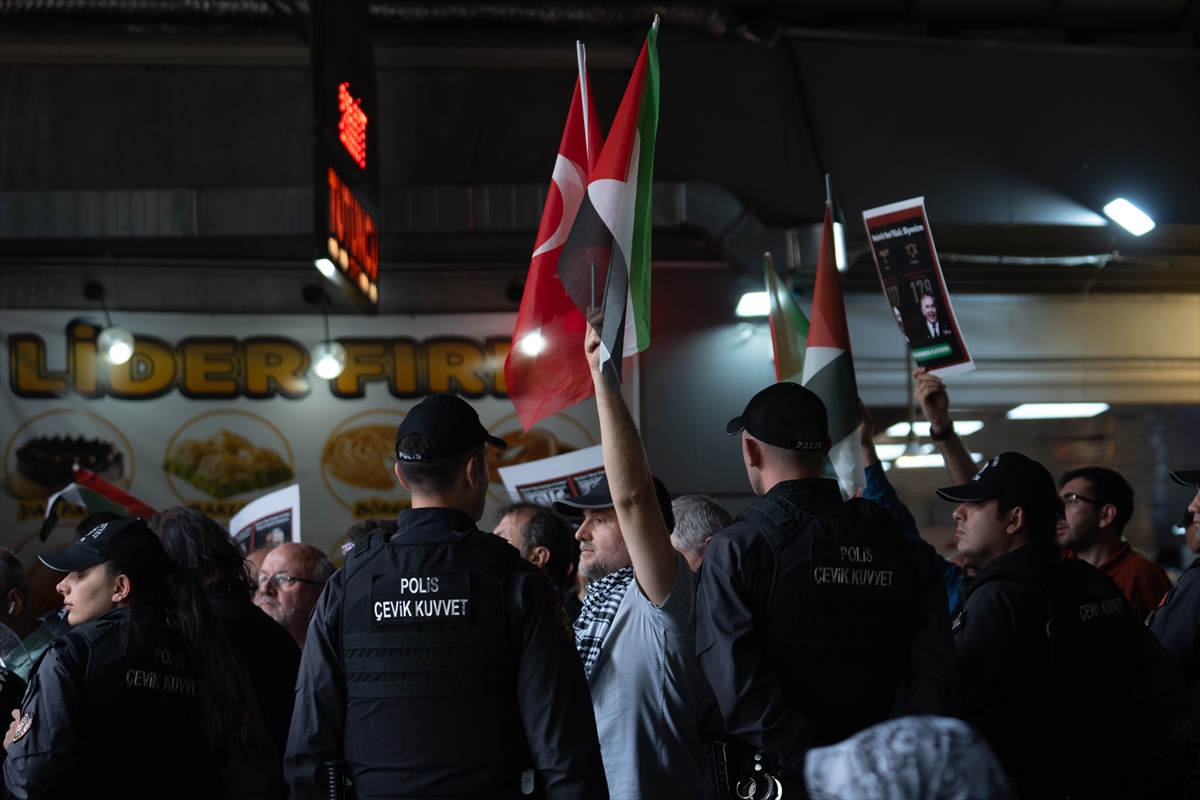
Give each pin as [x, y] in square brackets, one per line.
[546, 370]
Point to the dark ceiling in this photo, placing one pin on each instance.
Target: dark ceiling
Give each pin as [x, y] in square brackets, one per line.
[1016, 119]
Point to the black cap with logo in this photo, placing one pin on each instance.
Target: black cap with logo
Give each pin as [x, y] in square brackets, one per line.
[129, 542]
[1187, 477]
[1014, 476]
[599, 497]
[779, 413]
[450, 425]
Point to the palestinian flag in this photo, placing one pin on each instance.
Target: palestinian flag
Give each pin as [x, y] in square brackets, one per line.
[829, 368]
[606, 260]
[789, 326]
[95, 494]
[545, 370]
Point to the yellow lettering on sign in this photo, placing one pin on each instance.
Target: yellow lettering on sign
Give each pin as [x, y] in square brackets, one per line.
[27, 373]
[497, 353]
[366, 360]
[150, 372]
[455, 366]
[210, 368]
[275, 366]
[81, 338]
[405, 381]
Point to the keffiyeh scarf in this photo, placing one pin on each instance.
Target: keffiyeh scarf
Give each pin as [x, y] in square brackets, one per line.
[599, 607]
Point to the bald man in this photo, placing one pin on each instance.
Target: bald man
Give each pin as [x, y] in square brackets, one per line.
[289, 583]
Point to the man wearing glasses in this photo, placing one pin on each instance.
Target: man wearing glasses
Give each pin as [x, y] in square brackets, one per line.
[291, 580]
[1099, 502]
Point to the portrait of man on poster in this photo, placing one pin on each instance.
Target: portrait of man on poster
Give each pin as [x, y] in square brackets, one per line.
[932, 327]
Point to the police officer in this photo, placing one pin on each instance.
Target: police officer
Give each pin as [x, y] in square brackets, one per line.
[1177, 625]
[1057, 671]
[439, 663]
[143, 697]
[816, 618]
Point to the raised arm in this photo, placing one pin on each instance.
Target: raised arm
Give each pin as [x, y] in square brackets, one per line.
[935, 402]
[655, 562]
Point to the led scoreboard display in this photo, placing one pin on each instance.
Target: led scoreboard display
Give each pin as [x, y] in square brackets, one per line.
[345, 154]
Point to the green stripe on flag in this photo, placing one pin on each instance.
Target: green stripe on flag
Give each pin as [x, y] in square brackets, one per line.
[97, 502]
[639, 261]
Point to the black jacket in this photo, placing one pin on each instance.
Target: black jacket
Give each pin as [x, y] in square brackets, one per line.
[1100, 660]
[552, 696]
[1177, 625]
[107, 721]
[268, 652]
[773, 669]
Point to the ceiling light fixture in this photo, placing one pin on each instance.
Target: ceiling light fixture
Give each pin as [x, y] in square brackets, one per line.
[962, 427]
[1129, 216]
[753, 304]
[325, 267]
[328, 356]
[928, 460]
[115, 342]
[839, 246]
[1056, 410]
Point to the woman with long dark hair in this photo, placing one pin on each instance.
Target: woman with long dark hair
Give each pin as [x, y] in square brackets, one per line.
[143, 698]
[268, 652]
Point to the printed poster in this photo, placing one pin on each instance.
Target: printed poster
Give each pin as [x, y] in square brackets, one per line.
[914, 286]
[268, 521]
[556, 478]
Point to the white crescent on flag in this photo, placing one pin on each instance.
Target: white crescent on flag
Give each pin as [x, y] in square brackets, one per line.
[572, 183]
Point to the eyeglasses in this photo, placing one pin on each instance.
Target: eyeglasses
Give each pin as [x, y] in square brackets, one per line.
[1070, 498]
[282, 581]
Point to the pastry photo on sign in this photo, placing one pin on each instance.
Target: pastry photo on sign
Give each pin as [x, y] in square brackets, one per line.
[915, 289]
[226, 464]
[358, 463]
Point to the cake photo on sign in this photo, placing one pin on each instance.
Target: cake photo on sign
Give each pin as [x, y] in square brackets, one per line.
[45, 463]
[226, 464]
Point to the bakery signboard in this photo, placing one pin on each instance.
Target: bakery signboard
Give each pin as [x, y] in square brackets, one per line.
[214, 411]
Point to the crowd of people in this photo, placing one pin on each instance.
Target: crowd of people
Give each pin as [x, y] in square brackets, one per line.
[625, 644]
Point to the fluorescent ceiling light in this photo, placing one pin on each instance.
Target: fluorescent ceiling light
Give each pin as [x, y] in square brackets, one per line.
[325, 266]
[889, 452]
[1057, 410]
[962, 427]
[839, 246]
[928, 460]
[1129, 216]
[753, 304]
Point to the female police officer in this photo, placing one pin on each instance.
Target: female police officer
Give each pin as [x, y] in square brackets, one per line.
[142, 698]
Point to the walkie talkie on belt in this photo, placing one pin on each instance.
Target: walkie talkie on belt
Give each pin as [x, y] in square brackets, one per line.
[742, 777]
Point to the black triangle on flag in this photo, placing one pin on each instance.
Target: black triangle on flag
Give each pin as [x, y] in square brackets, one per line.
[593, 271]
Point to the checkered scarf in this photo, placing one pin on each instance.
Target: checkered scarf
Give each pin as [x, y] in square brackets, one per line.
[599, 607]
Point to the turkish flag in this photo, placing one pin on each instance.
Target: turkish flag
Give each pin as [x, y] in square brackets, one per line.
[546, 370]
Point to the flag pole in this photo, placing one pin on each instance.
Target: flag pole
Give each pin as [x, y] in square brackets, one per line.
[655, 25]
[581, 57]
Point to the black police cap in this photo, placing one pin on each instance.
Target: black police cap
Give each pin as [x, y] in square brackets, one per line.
[1011, 475]
[1187, 477]
[777, 414]
[450, 425]
[599, 496]
[129, 542]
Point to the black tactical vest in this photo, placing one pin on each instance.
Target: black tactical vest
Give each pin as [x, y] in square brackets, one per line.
[429, 663]
[836, 616]
[136, 716]
[1072, 730]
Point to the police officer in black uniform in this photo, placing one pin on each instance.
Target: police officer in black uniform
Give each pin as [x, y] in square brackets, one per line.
[816, 618]
[1059, 674]
[439, 663]
[143, 698]
[1176, 623]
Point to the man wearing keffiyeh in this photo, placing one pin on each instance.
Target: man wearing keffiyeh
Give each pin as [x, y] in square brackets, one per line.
[637, 631]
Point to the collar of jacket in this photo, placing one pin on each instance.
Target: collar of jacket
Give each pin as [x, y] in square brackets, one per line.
[807, 490]
[417, 521]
